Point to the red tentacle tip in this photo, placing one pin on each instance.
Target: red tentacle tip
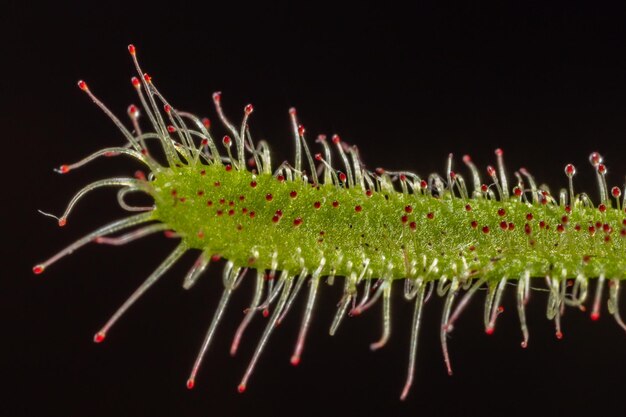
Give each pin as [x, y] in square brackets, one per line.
[559, 335]
[336, 139]
[217, 96]
[295, 360]
[191, 383]
[99, 337]
[266, 312]
[131, 49]
[241, 388]
[616, 192]
[292, 111]
[83, 85]
[135, 82]
[248, 109]
[595, 316]
[301, 130]
[38, 269]
[62, 221]
[489, 330]
[499, 152]
[467, 159]
[64, 169]
[147, 77]
[524, 344]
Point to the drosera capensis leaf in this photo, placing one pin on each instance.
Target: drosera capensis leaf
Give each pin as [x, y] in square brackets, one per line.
[325, 215]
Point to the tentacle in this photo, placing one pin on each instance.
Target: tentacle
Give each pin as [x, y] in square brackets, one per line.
[521, 304]
[131, 236]
[249, 312]
[113, 227]
[445, 318]
[308, 312]
[151, 164]
[162, 269]
[417, 316]
[110, 182]
[230, 277]
[299, 281]
[386, 317]
[199, 266]
[496, 307]
[614, 303]
[266, 334]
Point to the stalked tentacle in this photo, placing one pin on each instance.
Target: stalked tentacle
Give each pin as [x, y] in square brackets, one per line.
[348, 295]
[309, 158]
[230, 275]
[417, 317]
[296, 136]
[299, 281]
[273, 291]
[308, 312]
[356, 165]
[110, 182]
[151, 164]
[496, 306]
[133, 114]
[386, 285]
[121, 200]
[131, 236]
[152, 110]
[463, 303]
[570, 171]
[266, 333]
[327, 157]
[339, 144]
[197, 269]
[113, 227]
[502, 172]
[217, 101]
[366, 303]
[533, 185]
[556, 289]
[131, 140]
[475, 174]
[521, 307]
[595, 159]
[249, 312]
[595, 313]
[210, 142]
[158, 273]
[614, 302]
[445, 319]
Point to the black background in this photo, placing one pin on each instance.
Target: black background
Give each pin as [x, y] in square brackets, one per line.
[408, 85]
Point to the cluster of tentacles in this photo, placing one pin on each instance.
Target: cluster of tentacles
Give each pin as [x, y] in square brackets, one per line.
[186, 139]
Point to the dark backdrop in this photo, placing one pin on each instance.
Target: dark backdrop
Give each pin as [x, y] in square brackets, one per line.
[408, 85]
